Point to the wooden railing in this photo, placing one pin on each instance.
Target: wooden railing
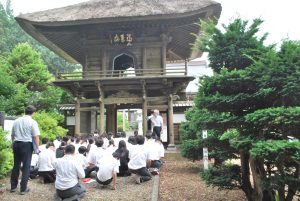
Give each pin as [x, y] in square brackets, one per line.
[169, 71]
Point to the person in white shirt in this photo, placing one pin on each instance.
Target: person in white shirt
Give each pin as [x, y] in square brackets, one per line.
[34, 166]
[139, 157]
[108, 169]
[25, 136]
[57, 142]
[156, 153]
[68, 170]
[157, 122]
[44, 144]
[82, 157]
[46, 164]
[91, 145]
[111, 147]
[94, 156]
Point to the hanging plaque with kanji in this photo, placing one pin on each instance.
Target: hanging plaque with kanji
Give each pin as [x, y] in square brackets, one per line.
[121, 39]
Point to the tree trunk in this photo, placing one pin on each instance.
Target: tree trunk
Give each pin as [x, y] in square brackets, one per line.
[246, 184]
[258, 174]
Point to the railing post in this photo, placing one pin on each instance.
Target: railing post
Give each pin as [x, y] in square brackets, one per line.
[185, 66]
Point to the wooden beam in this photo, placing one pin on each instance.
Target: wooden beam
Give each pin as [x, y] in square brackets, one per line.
[170, 123]
[116, 100]
[77, 116]
[86, 109]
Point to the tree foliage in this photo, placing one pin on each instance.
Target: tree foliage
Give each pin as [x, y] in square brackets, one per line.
[251, 108]
[6, 157]
[11, 34]
[50, 124]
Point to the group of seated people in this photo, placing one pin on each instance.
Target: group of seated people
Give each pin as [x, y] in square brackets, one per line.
[102, 157]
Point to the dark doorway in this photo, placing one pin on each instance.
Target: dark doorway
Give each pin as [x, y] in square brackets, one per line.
[122, 62]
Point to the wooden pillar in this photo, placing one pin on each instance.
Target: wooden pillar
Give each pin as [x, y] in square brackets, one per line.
[93, 119]
[103, 63]
[163, 58]
[144, 114]
[101, 107]
[171, 145]
[102, 117]
[144, 61]
[185, 67]
[77, 116]
[111, 118]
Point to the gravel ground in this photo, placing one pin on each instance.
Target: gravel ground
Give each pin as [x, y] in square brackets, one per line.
[180, 180]
[127, 190]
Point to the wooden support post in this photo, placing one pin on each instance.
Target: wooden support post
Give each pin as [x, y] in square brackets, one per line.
[171, 145]
[185, 67]
[163, 58]
[144, 107]
[77, 116]
[144, 62]
[101, 116]
[145, 125]
[103, 63]
[102, 108]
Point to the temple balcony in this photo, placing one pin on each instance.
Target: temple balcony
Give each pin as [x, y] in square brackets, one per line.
[180, 71]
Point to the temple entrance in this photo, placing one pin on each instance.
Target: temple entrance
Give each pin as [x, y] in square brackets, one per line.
[123, 65]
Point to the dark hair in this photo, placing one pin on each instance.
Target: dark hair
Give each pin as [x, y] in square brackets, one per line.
[140, 139]
[77, 140]
[122, 145]
[49, 144]
[70, 149]
[135, 133]
[123, 134]
[44, 140]
[118, 135]
[63, 143]
[111, 142]
[65, 139]
[148, 135]
[72, 139]
[82, 149]
[132, 140]
[30, 110]
[91, 140]
[99, 143]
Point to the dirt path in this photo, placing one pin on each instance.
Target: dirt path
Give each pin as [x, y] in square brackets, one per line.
[180, 181]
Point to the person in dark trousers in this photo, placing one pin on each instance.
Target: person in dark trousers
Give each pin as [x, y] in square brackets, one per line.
[25, 132]
[139, 158]
[122, 153]
[68, 171]
[157, 122]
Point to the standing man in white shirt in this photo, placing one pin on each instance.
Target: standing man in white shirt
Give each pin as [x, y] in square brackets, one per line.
[25, 130]
[68, 171]
[157, 121]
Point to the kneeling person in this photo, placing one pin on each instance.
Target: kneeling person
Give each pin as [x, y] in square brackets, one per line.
[68, 170]
[108, 169]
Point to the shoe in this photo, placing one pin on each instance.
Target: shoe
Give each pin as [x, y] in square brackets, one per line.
[155, 171]
[93, 174]
[13, 190]
[137, 179]
[24, 192]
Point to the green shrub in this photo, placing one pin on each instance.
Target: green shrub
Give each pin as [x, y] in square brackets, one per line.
[49, 124]
[6, 156]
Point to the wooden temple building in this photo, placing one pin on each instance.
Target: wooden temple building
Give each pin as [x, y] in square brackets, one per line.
[123, 47]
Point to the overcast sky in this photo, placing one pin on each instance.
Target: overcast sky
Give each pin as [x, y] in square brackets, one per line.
[281, 17]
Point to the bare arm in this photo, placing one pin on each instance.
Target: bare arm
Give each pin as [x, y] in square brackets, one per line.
[114, 176]
[37, 143]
